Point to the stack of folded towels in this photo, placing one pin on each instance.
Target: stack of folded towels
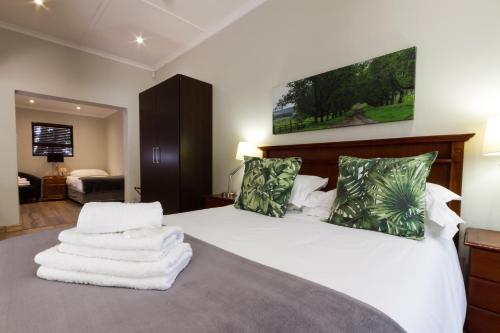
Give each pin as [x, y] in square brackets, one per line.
[21, 181]
[118, 245]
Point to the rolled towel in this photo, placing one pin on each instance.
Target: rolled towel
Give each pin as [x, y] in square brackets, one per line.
[151, 239]
[107, 217]
[52, 258]
[127, 255]
[157, 283]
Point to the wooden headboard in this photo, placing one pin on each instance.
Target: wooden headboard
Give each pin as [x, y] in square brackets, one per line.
[321, 159]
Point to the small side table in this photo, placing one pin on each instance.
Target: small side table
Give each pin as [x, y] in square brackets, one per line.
[217, 200]
[483, 296]
[54, 188]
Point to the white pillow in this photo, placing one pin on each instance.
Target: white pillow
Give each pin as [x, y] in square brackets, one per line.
[320, 199]
[436, 199]
[88, 173]
[303, 186]
[319, 204]
[440, 219]
[440, 193]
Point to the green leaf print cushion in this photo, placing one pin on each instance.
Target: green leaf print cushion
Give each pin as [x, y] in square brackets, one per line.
[383, 194]
[267, 184]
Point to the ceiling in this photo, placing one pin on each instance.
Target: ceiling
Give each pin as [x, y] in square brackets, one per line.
[60, 105]
[109, 27]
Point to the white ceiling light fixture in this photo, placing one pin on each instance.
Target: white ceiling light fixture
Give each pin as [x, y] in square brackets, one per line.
[168, 28]
[32, 101]
[139, 40]
[78, 107]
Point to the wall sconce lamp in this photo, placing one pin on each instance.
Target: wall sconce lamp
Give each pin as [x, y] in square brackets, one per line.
[491, 144]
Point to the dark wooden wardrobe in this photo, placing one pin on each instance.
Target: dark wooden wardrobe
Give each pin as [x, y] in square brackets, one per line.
[176, 143]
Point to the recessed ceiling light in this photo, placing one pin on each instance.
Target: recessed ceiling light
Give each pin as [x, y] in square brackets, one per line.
[78, 108]
[38, 2]
[32, 101]
[139, 40]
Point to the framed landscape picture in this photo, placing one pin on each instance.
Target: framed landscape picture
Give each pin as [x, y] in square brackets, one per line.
[375, 91]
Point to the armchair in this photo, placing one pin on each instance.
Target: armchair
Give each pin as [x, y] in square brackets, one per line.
[33, 191]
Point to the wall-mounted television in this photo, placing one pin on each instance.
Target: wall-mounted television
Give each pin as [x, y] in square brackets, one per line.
[55, 157]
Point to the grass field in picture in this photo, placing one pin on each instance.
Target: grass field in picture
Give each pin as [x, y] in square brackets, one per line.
[375, 91]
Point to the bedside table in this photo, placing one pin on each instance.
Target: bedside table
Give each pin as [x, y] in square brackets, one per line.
[53, 188]
[217, 200]
[483, 311]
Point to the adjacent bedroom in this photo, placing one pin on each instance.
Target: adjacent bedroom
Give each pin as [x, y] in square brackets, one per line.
[68, 153]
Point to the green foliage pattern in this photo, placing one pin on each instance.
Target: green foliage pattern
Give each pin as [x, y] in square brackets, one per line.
[383, 194]
[267, 185]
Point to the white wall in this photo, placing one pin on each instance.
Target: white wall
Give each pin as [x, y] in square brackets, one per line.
[88, 133]
[34, 65]
[114, 143]
[457, 88]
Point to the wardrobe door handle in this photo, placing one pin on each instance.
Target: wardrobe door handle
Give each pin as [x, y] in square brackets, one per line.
[157, 155]
[154, 155]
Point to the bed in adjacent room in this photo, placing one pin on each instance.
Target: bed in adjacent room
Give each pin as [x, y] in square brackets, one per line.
[86, 185]
[251, 272]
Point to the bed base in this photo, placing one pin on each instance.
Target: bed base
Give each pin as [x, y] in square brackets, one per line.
[106, 196]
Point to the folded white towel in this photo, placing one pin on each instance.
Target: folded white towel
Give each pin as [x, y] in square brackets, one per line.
[106, 217]
[127, 255]
[23, 182]
[152, 239]
[158, 283]
[52, 258]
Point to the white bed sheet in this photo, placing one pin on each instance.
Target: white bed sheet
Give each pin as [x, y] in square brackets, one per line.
[419, 284]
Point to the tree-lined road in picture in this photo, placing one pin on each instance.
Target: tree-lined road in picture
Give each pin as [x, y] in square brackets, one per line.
[358, 118]
[375, 91]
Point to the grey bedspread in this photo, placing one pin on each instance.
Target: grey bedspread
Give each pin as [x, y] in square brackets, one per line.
[217, 292]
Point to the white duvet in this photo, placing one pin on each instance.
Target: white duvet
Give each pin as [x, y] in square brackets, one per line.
[419, 284]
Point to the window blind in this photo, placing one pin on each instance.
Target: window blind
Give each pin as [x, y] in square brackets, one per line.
[52, 138]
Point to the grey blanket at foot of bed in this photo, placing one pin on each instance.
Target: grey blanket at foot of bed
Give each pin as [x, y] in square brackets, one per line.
[217, 292]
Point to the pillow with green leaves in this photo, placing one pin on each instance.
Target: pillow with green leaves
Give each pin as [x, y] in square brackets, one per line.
[267, 184]
[383, 194]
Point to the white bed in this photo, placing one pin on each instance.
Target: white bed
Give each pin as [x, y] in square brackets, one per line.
[75, 183]
[419, 284]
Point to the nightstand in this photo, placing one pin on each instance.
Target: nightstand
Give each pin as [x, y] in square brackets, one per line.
[54, 188]
[217, 200]
[483, 311]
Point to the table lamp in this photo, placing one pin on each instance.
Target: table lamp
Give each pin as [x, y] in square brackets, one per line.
[491, 144]
[244, 149]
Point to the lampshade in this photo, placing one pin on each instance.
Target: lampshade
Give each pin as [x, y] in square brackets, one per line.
[491, 145]
[247, 149]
